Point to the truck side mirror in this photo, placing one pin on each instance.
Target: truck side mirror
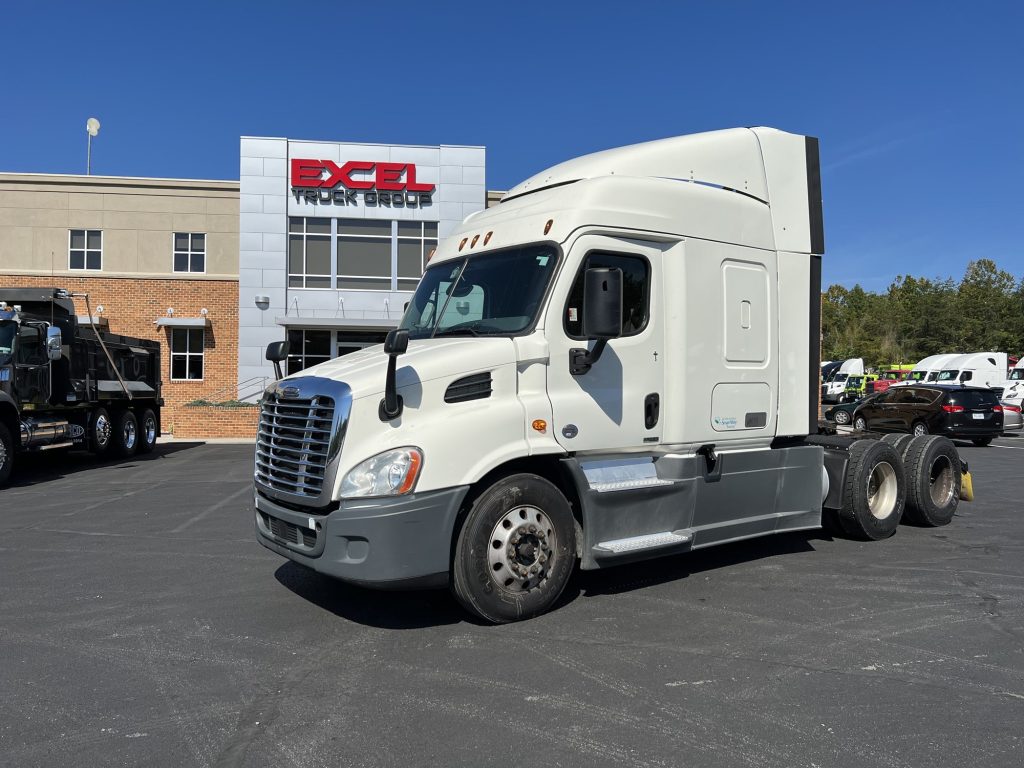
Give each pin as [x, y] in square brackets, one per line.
[277, 353]
[602, 303]
[602, 315]
[53, 343]
[395, 343]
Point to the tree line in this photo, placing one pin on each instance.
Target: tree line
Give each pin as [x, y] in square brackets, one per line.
[917, 317]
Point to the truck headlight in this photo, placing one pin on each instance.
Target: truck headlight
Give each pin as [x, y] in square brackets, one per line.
[391, 473]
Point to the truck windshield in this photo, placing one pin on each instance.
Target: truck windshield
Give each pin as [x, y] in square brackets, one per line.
[949, 375]
[494, 294]
[8, 330]
[1017, 374]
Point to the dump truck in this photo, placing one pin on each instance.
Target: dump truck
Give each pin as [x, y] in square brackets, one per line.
[617, 362]
[66, 383]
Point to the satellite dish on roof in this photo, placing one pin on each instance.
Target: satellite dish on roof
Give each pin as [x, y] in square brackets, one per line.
[92, 126]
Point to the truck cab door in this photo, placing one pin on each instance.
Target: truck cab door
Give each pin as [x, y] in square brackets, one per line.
[31, 364]
[617, 404]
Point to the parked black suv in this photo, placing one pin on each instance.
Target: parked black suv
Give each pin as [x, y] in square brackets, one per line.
[968, 413]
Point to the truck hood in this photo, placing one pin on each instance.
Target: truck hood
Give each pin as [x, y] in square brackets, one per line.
[425, 360]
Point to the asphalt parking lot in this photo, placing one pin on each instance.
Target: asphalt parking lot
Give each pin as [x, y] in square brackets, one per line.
[141, 624]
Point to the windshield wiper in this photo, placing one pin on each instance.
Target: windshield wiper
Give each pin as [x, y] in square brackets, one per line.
[458, 331]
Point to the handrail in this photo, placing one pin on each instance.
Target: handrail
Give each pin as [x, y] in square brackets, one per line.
[256, 383]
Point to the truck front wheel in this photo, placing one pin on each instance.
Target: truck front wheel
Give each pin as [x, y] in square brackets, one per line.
[515, 551]
[6, 454]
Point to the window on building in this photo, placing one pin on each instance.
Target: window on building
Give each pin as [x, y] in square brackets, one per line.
[416, 239]
[364, 254]
[189, 252]
[187, 354]
[85, 249]
[307, 348]
[635, 293]
[309, 253]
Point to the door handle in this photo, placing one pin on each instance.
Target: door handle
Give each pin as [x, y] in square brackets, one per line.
[652, 410]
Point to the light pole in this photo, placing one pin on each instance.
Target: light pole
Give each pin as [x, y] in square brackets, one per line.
[92, 127]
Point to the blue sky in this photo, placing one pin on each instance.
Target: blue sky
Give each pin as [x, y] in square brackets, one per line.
[919, 106]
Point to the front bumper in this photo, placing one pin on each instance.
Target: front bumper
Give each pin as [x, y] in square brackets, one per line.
[386, 543]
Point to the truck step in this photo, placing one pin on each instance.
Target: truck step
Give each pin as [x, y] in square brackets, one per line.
[647, 541]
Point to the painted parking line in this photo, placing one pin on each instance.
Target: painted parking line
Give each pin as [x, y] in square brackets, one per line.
[1008, 447]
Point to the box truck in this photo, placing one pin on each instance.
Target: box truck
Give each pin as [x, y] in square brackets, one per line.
[66, 383]
[617, 362]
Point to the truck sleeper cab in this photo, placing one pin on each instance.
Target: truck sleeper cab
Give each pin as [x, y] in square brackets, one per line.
[619, 361]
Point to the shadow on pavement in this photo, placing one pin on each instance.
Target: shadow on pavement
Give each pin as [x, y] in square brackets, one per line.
[427, 608]
[413, 609]
[33, 468]
[624, 578]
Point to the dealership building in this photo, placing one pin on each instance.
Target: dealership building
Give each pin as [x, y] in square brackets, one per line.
[321, 243]
[333, 237]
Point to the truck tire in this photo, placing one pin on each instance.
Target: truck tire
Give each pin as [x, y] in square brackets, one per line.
[515, 551]
[101, 431]
[125, 438]
[147, 431]
[932, 465]
[900, 442]
[6, 454]
[874, 492]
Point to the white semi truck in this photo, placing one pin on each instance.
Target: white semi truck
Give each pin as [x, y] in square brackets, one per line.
[617, 362]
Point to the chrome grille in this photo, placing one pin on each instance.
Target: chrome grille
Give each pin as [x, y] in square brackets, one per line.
[293, 443]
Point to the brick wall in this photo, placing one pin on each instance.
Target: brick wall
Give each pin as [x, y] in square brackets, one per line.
[131, 307]
[202, 421]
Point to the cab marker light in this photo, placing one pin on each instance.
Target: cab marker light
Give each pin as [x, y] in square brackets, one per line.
[547, 227]
[487, 237]
[475, 238]
[463, 243]
[540, 425]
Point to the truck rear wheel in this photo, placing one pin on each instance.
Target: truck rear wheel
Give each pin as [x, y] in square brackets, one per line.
[6, 454]
[932, 464]
[101, 431]
[147, 431]
[874, 493]
[125, 438]
[516, 550]
[900, 443]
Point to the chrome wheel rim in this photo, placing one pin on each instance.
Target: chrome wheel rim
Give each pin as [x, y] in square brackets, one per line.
[920, 430]
[860, 424]
[149, 426]
[129, 434]
[102, 430]
[940, 481]
[521, 549]
[842, 417]
[3, 455]
[882, 489]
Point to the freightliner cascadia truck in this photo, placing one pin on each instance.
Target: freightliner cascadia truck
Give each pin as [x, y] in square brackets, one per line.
[617, 362]
[66, 384]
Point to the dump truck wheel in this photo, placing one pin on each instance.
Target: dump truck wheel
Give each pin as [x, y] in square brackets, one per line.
[125, 438]
[932, 464]
[147, 431]
[515, 551]
[6, 454]
[874, 492]
[101, 431]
